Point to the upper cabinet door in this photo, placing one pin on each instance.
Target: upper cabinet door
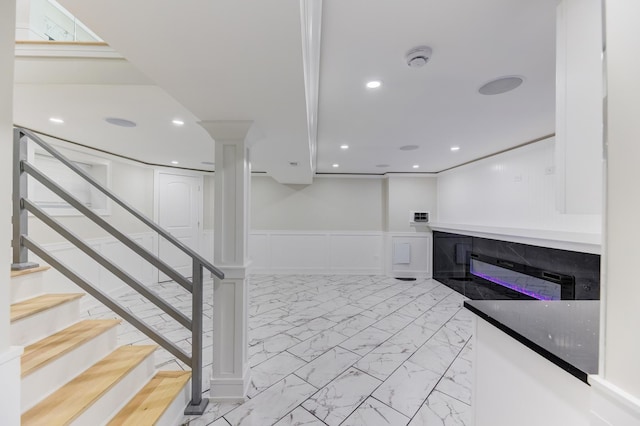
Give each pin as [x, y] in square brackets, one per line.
[579, 107]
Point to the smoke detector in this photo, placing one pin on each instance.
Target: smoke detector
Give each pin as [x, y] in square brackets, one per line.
[418, 56]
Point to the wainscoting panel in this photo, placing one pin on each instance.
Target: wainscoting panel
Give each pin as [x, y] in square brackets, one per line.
[420, 247]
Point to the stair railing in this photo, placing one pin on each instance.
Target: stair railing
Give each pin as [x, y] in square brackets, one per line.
[22, 243]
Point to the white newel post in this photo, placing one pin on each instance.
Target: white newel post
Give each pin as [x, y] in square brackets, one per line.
[231, 375]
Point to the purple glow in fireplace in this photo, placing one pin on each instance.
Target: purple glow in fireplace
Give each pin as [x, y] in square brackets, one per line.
[530, 286]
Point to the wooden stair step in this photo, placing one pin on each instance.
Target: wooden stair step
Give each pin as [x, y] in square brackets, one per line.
[72, 399]
[37, 304]
[152, 401]
[30, 271]
[53, 347]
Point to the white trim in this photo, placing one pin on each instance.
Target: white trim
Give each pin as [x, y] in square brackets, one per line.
[311, 23]
[620, 397]
[572, 241]
[10, 354]
[413, 270]
[54, 50]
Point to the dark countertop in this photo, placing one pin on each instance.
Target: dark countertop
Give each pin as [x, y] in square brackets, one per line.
[564, 331]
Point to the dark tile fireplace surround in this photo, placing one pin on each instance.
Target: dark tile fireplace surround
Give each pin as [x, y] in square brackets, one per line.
[482, 268]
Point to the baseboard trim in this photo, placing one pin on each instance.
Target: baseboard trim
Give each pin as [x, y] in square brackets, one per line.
[612, 405]
[230, 389]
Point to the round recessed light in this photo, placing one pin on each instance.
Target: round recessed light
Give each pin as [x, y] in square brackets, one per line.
[501, 85]
[56, 120]
[382, 165]
[344, 146]
[178, 122]
[120, 122]
[208, 163]
[455, 148]
[174, 162]
[374, 84]
[335, 166]
[415, 166]
[409, 147]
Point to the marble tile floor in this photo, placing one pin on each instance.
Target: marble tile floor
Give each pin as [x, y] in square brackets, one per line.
[333, 350]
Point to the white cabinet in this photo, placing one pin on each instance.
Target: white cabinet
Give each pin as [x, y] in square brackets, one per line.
[579, 107]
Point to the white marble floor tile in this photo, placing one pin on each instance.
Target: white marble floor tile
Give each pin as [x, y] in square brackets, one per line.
[342, 313]
[300, 417]
[374, 413]
[271, 405]
[365, 341]
[435, 356]
[272, 370]
[457, 380]
[213, 412]
[327, 366]
[270, 347]
[310, 329]
[386, 358]
[317, 345]
[442, 410]
[269, 330]
[337, 400]
[393, 323]
[353, 325]
[407, 388]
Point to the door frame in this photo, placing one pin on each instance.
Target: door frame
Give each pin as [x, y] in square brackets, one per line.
[156, 207]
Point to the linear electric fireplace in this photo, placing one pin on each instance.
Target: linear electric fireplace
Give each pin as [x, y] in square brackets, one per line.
[527, 280]
[482, 268]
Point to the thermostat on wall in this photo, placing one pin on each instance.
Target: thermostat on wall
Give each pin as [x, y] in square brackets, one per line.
[418, 218]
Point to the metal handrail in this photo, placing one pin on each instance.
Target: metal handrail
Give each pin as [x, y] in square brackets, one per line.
[22, 243]
[151, 224]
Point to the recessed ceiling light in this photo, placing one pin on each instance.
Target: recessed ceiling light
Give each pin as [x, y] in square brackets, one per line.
[382, 165]
[409, 147]
[374, 84]
[178, 122]
[56, 120]
[415, 166]
[344, 146]
[335, 166]
[208, 163]
[501, 85]
[174, 162]
[455, 148]
[120, 122]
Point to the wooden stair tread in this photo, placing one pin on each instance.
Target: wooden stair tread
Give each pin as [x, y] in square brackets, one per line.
[68, 402]
[29, 271]
[52, 347]
[153, 400]
[41, 303]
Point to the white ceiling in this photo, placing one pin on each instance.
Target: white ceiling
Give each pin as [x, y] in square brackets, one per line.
[242, 60]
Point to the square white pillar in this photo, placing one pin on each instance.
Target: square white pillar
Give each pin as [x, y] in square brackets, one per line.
[231, 375]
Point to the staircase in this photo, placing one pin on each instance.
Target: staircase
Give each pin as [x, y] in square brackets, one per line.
[72, 370]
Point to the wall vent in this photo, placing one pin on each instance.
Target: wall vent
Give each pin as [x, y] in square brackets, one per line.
[418, 217]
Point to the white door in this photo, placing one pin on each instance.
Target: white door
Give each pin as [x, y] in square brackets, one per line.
[179, 212]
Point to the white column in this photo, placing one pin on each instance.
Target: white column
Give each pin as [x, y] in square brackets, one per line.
[9, 356]
[231, 375]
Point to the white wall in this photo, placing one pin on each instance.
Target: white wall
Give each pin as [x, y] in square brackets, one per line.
[9, 358]
[329, 204]
[405, 194]
[133, 183]
[514, 189]
[621, 291]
